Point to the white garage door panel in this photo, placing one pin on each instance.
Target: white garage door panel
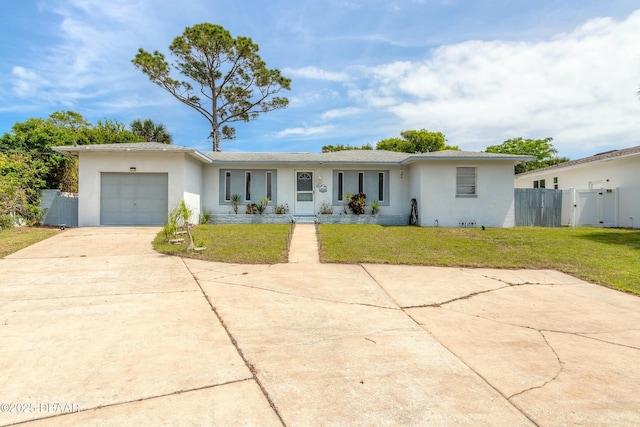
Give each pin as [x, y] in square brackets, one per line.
[133, 198]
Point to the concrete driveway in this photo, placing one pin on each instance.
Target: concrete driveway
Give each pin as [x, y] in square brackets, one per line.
[95, 322]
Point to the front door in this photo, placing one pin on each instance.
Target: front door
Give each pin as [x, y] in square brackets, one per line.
[304, 193]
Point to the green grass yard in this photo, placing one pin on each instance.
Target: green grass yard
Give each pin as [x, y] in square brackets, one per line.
[20, 237]
[234, 243]
[609, 257]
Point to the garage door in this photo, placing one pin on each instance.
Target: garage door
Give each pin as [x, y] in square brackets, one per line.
[133, 198]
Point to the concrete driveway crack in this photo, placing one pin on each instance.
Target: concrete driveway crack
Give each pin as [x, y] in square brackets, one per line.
[275, 291]
[560, 369]
[486, 381]
[583, 335]
[471, 295]
[238, 349]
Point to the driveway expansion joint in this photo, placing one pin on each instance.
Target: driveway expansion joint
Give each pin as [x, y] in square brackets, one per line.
[585, 336]
[99, 295]
[126, 402]
[249, 365]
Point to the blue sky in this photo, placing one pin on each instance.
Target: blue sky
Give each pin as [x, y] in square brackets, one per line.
[480, 71]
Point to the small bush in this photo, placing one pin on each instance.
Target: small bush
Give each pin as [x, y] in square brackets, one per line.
[235, 201]
[262, 206]
[6, 222]
[205, 217]
[357, 203]
[375, 207]
[346, 199]
[282, 209]
[326, 208]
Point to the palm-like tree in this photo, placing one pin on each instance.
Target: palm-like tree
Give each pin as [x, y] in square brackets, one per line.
[150, 131]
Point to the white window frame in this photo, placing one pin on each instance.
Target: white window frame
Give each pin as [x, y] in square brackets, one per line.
[227, 186]
[247, 186]
[474, 192]
[269, 185]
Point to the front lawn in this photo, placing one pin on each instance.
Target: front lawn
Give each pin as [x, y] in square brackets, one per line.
[606, 256]
[234, 243]
[20, 237]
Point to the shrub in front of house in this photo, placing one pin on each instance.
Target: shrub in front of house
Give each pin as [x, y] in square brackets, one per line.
[357, 203]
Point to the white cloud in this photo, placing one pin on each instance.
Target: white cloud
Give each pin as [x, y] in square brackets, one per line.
[26, 82]
[340, 112]
[303, 131]
[315, 73]
[85, 60]
[579, 88]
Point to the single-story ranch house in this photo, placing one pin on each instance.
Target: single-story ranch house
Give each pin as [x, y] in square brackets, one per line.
[138, 183]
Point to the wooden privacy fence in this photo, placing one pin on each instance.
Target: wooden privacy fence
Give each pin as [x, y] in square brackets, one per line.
[538, 207]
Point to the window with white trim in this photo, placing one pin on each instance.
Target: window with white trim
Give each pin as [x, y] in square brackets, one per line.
[227, 186]
[466, 181]
[269, 191]
[247, 186]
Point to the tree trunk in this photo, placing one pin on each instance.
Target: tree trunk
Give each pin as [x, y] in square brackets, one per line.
[215, 133]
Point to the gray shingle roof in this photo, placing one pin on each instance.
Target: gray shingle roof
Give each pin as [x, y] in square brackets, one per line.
[379, 157]
[150, 147]
[467, 155]
[608, 155]
[130, 146]
[358, 157]
[349, 156]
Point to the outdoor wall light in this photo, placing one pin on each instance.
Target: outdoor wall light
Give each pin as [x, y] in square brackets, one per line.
[132, 169]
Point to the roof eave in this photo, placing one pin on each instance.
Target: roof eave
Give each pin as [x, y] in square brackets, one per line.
[71, 150]
[305, 162]
[516, 160]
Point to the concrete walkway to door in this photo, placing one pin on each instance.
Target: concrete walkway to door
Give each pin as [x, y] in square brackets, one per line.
[94, 322]
[304, 245]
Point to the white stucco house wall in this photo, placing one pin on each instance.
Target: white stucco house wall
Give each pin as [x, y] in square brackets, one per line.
[139, 183]
[602, 190]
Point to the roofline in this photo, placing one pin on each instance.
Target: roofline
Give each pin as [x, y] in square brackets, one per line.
[513, 158]
[584, 161]
[76, 150]
[304, 162]
[410, 158]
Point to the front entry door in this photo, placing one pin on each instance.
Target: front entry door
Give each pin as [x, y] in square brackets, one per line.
[304, 193]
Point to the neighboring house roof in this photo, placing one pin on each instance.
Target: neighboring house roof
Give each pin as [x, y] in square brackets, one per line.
[600, 157]
[372, 157]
